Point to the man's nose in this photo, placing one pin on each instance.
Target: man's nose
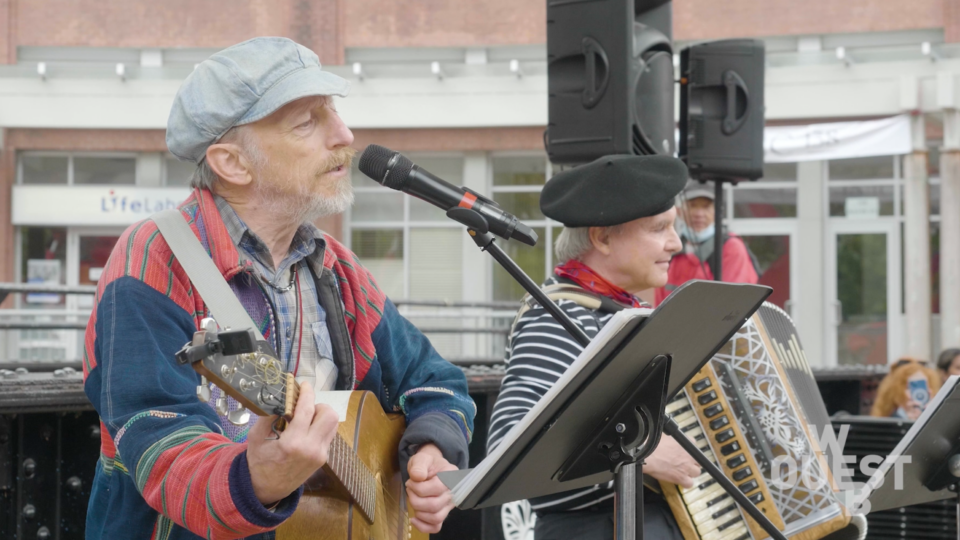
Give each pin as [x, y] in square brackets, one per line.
[340, 134]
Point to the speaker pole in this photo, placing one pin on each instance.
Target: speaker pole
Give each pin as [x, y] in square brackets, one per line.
[718, 210]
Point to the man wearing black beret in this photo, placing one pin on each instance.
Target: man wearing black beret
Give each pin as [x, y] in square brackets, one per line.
[618, 214]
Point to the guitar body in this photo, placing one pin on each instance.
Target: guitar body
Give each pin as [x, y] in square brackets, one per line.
[328, 514]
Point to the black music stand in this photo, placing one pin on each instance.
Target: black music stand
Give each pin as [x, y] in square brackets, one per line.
[933, 445]
[618, 399]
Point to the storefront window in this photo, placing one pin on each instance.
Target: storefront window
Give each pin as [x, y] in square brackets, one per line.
[865, 168]
[177, 173]
[861, 202]
[764, 203]
[43, 262]
[40, 169]
[104, 170]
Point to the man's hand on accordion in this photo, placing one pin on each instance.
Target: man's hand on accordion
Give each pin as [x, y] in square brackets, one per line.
[669, 462]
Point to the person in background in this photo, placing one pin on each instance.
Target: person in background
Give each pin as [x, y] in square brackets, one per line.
[948, 363]
[697, 260]
[906, 390]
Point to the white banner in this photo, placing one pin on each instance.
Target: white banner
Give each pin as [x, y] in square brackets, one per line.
[91, 205]
[837, 140]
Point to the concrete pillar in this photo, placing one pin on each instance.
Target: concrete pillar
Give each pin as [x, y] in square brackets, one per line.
[950, 231]
[916, 245]
[808, 310]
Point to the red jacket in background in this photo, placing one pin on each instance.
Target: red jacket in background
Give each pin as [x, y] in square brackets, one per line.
[737, 267]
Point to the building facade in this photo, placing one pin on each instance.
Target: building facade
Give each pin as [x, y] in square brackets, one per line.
[863, 251]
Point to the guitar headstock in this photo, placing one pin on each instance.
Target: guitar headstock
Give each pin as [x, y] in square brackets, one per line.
[242, 367]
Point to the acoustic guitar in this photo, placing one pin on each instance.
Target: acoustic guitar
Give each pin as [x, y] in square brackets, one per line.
[358, 494]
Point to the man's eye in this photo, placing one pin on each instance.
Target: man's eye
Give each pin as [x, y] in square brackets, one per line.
[306, 124]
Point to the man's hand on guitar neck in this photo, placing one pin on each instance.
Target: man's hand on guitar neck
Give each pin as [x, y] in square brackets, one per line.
[279, 467]
[430, 499]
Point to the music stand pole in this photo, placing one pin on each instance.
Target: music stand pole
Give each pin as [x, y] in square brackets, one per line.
[718, 211]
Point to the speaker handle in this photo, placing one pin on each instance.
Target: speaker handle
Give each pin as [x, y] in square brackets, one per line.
[592, 92]
[732, 81]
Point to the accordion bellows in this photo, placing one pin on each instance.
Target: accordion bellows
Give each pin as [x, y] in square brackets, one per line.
[751, 407]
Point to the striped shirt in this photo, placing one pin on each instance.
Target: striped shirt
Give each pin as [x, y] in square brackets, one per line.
[538, 352]
[302, 339]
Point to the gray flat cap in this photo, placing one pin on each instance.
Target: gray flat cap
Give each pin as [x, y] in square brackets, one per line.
[240, 85]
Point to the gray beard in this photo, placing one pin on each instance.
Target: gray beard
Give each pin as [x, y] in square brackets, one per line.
[305, 206]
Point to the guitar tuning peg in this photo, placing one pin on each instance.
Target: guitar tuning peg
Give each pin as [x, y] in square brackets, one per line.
[222, 409]
[203, 391]
[239, 417]
[208, 324]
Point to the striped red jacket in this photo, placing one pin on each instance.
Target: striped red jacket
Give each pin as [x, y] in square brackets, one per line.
[170, 466]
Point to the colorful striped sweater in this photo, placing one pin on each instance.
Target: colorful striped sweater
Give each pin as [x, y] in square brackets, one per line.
[170, 466]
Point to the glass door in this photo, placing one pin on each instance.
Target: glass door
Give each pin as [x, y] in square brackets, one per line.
[87, 252]
[863, 292]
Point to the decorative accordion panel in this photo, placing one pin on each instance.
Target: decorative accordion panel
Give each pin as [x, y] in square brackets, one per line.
[750, 422]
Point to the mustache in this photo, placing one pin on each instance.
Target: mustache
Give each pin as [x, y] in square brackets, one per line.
[342, 157]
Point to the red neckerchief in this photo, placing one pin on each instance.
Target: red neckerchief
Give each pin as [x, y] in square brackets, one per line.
[585, 277]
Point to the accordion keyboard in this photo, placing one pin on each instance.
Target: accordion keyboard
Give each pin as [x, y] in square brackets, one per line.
[706, 511]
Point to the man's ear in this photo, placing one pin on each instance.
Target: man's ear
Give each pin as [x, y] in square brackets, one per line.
[600, 238]
[229, 164]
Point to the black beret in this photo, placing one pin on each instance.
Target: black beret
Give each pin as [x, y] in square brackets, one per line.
[613, 190]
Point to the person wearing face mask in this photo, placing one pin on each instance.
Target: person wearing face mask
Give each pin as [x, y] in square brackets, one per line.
[697, 259]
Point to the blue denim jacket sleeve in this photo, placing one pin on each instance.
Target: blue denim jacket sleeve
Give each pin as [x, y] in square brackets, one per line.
[409, 376]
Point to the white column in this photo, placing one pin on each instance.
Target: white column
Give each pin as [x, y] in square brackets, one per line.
[950, 231]
[475, 274]
[809, 309]
[916, 245]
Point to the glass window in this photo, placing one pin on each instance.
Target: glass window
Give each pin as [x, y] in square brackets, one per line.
[862, 293]
[519, 171]
[933, 158]
[773, 172]
[773, 258]
[44, 169]
[861, 201]
[104, 170]
[934, 198]
[381, 252]
[531, 259]
[524, 205]
[381, 205]
[177, 173]
[44, 262]
[866, 168]
[764, 203]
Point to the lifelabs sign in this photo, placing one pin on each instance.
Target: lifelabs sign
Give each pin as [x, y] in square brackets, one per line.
[91, 205]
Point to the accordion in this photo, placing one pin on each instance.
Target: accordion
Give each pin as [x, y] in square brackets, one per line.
[752, 406]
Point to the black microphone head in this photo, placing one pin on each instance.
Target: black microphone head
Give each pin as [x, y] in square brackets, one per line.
[385, 166]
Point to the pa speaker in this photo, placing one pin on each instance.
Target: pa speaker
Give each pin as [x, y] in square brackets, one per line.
[721, 109]
[610, 79]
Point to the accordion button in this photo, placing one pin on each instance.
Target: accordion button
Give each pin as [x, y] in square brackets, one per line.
[719, 422]
[713, 410]
[708, 397]
[725, 435]
[747, 487]
[736, 461]
[728, 449]
[701, 385]
[742, 473]
[756, 498]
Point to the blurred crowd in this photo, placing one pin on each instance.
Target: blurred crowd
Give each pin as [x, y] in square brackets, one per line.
[907, 390]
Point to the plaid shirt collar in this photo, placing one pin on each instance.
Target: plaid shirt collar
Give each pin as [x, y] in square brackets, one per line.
[307, 243]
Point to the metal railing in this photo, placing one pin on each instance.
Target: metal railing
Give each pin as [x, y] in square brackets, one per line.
[466, 333]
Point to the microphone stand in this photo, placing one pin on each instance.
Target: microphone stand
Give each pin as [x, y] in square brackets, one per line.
[628, 505]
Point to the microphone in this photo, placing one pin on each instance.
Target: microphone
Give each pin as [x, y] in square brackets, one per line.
[396, 171]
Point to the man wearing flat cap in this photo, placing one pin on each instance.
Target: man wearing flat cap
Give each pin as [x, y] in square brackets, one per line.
[618, 214]
[272, 156]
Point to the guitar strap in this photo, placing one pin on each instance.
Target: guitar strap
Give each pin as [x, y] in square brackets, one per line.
[203, 273]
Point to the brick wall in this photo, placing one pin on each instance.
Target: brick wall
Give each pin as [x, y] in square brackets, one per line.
[172, 23]
[327, 26]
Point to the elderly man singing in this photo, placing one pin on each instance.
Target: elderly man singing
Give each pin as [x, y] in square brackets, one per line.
[618, 239]
[273, 156]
